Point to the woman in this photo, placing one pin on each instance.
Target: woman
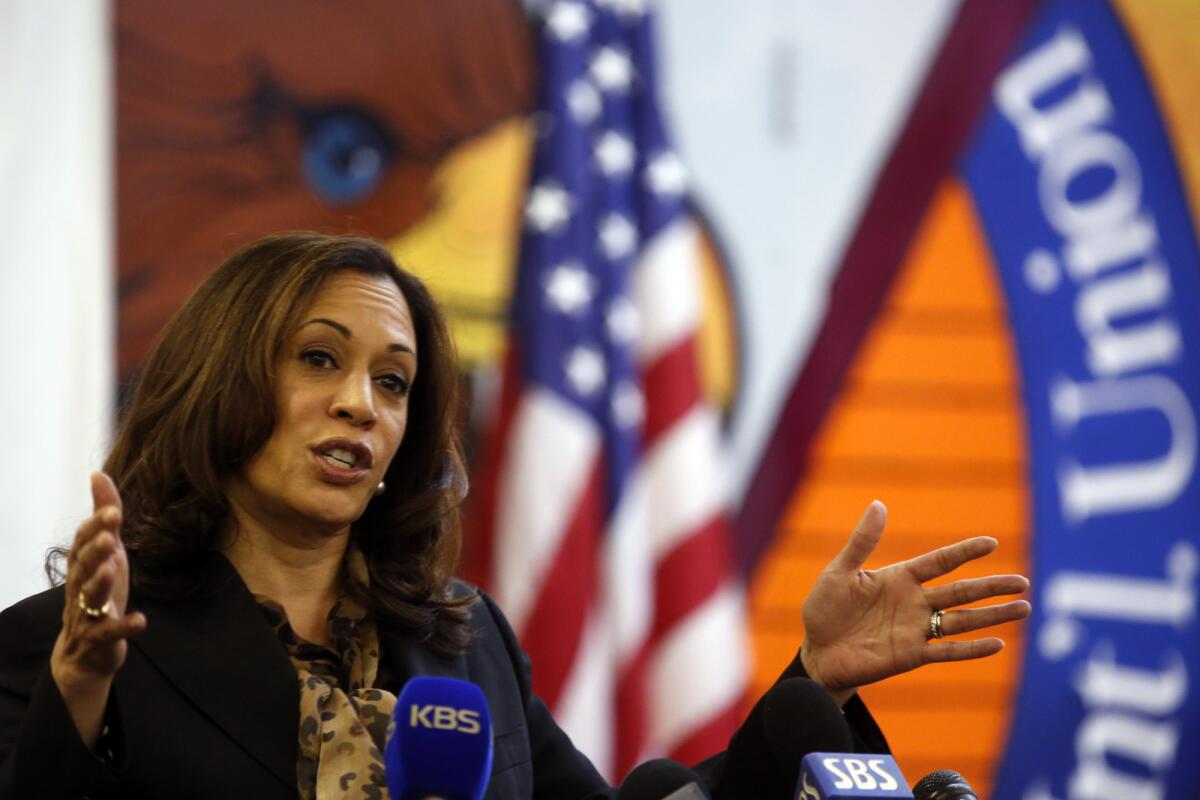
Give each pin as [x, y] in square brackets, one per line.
[272, 519]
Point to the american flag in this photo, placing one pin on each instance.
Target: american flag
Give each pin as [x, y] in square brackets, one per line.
[602, 503]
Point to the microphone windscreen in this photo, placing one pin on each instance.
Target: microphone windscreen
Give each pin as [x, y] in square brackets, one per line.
[440, 744]
[795, 717]
[661, 779]
[945, 784]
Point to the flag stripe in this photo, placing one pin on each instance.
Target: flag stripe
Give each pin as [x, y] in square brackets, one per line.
[566, 592]
[672, 387]
[697, 671]
[540, 490]
[689, 574]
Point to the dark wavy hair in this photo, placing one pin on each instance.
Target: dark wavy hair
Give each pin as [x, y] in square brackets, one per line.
[205, 404]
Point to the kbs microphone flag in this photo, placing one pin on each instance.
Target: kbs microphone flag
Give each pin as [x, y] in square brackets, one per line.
[602, 505]
[1082, 204]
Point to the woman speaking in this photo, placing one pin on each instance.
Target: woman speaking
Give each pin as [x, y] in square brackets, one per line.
[271, 553]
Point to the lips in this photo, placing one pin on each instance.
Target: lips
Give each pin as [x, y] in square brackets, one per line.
[342, 460]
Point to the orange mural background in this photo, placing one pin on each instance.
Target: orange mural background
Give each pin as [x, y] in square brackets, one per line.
[929, 421]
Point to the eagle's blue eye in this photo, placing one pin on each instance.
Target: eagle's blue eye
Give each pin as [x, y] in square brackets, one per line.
[345, 156]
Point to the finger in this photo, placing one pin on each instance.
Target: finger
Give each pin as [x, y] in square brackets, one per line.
[107, 518]
[949, 558]
[863, 539]
[970, 590]
[972, 619]
[94, 553]
[962, 651]
[104, 492]
[106, 630]
[97, 590]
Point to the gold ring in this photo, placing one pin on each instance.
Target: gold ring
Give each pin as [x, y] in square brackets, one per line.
[935, 625]
[89, 611]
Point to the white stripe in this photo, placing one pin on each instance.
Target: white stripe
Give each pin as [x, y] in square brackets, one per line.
[685, 480]
[586, 708]
[551, 453]
[676, 490]
[699, 670]
[628, 560]
[666, 289]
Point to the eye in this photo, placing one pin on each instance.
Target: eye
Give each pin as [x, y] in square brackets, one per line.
[346, 153]
[321, 359]
[394, 383]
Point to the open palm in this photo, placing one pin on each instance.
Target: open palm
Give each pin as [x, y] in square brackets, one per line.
[862, 626]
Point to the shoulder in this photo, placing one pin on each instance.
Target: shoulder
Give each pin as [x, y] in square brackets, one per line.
[34, 620]
[492, 639]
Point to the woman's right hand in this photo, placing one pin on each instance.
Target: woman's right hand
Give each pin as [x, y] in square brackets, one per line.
[90, 650]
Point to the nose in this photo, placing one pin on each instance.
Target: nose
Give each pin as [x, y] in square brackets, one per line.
[354, 401]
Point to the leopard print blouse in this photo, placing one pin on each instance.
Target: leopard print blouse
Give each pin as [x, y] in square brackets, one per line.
[343, 717]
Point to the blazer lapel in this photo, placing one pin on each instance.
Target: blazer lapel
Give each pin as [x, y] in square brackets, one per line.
[219, 651]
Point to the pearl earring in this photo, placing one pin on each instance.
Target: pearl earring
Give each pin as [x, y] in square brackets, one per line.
[379, 489]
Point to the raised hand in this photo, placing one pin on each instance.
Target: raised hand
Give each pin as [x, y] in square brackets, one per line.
[862, 626]
[91, 646]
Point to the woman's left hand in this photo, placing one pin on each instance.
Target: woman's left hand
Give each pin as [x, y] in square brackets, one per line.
[862, 626]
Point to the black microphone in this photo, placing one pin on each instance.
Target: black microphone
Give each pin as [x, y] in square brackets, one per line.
[662, 779]
[945, 784]
[794, 718]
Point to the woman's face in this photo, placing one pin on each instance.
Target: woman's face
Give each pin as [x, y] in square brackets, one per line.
[342, 386]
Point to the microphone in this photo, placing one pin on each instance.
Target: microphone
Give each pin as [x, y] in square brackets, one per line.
[662, 779]
[835, 776]
[440, 743]
[794, 718]
[945, 784]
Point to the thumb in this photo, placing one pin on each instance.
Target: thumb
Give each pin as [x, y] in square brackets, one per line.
[863, 539]
[104, 492]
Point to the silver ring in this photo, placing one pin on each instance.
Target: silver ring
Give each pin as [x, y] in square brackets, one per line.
[935, 625]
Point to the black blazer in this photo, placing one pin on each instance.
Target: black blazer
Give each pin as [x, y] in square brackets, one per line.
[206, 706]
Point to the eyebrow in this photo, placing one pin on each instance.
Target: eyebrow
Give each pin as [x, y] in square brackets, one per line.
[344, 331]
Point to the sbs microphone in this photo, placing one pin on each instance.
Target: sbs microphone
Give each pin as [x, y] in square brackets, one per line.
[835, 776]
[945, 784]
[440, 743]
[662, 779]
[795, 717]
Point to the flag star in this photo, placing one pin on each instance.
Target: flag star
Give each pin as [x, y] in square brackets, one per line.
[623, 321]
[666, 174]
[586, 370]
[614, 153]
[628, 405]
[567, 20]
[611, 69]
[583, 100]
[548, 207]
[618, 237]
[569, 288]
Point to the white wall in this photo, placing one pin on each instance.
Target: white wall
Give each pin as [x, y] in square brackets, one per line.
[56, 293]
[784, 111]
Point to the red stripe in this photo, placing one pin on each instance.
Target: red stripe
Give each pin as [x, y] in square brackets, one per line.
[672, 387]
[956, 91]
[554, 630]
[689, 575]
[479, 530]
[711, 737]
[683, 581]
[632, 728]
